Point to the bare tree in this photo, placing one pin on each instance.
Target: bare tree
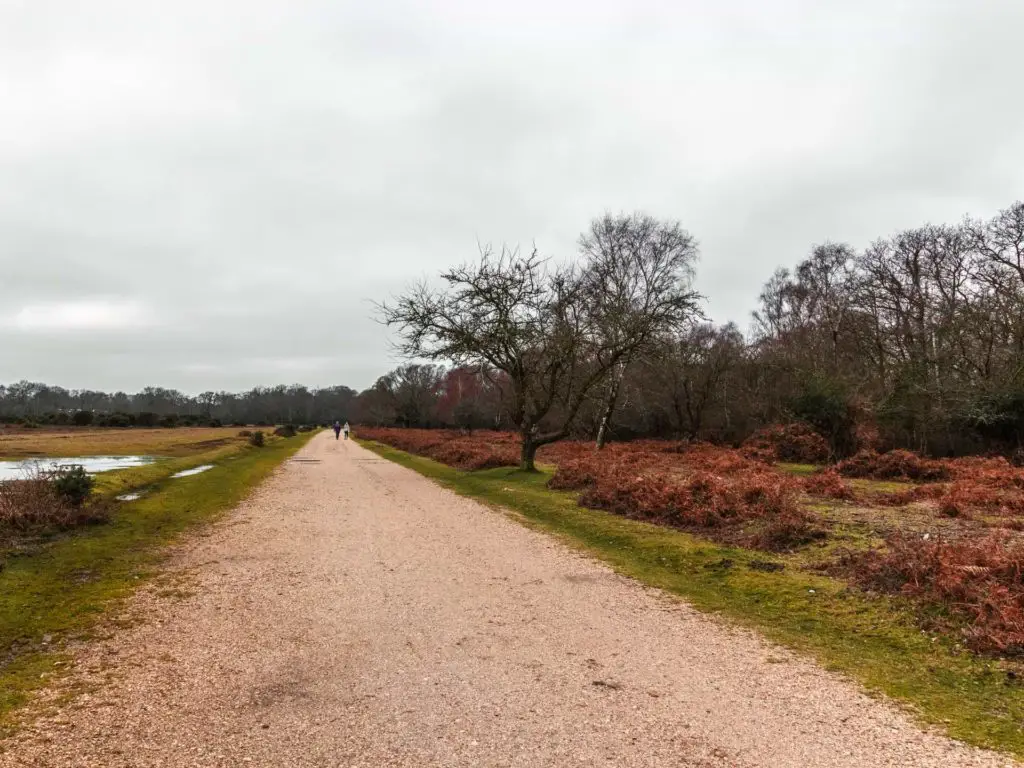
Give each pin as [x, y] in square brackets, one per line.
[689, 371]
[826, 280]
[539, 325]
[638, 282]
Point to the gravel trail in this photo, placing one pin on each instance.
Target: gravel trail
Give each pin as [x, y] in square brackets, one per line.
[352, 613]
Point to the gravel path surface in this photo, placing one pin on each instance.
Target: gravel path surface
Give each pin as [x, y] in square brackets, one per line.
[352, 613]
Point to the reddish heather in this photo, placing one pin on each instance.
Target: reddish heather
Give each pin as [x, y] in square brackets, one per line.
[980, 581]
[481, 450]
[829, 485]
[797, 443]
[894, 465]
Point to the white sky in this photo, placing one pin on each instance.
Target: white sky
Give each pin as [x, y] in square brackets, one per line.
[211, 194]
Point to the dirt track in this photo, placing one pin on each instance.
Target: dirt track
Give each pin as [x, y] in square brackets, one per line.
[354, 614]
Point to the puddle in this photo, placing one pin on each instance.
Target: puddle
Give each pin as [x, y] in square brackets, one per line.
[193, 471]
[16, 470]
[130, 496]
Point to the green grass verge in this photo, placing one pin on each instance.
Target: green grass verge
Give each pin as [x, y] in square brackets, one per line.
[874, 640]
[59, 589]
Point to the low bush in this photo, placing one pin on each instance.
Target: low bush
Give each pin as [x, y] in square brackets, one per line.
[285, 431]
[73, 484]
[82, 418]
[256, 439]
[36, 504]
[829, 485]
[484, 450]
[977, 582]
[119, 420]
[797, 443]
[785, 532]
[894, 465]
[685, 493]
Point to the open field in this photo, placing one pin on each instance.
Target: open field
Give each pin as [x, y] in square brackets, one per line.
[882, 583]
[18, 442]
[56, 585]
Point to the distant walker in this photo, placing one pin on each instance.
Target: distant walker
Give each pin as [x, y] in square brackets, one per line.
[337, 430]
[346, 429]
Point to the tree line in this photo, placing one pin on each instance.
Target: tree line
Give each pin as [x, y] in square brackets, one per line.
[37, 403]
[915, 341]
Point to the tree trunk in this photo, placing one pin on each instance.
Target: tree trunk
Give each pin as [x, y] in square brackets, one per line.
[528, 454]
[609, 408]
[602, 431]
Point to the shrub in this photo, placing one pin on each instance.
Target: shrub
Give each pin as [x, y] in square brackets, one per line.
[36, 504]
[784, 532]
[256, 439]
[976, 581]
[572, 475]
[797, 443]
[716, 505]
[828, 484]
[952, 505]
[146, 419]
[120, 420]
[894, 465]
[484, 450]
[73, 484]
[30, 503]
[825, 406]
[285, 431]
[82, 418]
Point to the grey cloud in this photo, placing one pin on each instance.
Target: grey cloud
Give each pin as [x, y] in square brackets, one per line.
[257, 173]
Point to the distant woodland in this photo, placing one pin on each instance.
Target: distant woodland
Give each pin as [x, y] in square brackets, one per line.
[916, 341]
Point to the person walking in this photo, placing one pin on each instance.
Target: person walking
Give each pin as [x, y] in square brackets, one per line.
[337, 430]
[346, 429]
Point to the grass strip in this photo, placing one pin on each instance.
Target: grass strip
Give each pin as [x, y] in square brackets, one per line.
[874, 640]
[59, 590]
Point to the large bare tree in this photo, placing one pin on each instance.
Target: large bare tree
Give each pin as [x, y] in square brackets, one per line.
[555, 332]
[638, 280]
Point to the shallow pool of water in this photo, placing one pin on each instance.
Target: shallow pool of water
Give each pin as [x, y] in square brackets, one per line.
[17, 470]
[193, 471]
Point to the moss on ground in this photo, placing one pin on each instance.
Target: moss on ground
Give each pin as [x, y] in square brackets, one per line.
[874, 640]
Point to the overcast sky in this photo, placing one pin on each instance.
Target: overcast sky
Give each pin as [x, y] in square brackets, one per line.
[209, 195]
